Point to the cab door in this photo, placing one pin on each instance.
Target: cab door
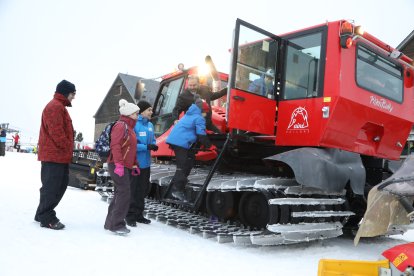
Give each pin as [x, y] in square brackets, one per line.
[252, 98]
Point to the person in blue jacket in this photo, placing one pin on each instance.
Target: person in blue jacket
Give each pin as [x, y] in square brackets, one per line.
[190, 128]
[140, 186]
[263, 85]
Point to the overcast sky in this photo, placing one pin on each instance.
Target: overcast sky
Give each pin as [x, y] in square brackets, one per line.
[90, 42]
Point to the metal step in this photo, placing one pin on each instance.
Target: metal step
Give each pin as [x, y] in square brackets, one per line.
[155, 177]
[322, 214]
[306, 201]
[304, 227]
[215, 183]
[302, 190]
[274, 183]
[312, 236]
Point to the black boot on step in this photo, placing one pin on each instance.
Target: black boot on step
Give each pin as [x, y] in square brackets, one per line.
[143, 220]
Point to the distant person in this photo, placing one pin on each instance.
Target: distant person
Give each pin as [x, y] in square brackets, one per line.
[16, 140]
[190, 128]
[186, 99]
[3, 142]
[263, 85]
[140, 185]
[55, 149]
[122, 166]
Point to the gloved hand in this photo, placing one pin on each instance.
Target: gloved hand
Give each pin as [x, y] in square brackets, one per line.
[152, 147]
[119, 169]
[135, 171]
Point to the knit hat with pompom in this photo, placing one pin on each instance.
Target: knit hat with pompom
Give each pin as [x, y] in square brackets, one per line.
[126, 108]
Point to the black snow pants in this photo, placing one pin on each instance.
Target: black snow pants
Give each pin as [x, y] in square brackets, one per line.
[140, 187]
[2, 148]
[55, 179]
[118, 208]
[211, 126]
[185, 162]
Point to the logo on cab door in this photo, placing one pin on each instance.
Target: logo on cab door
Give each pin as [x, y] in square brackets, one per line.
[298, 121]
[381, 103]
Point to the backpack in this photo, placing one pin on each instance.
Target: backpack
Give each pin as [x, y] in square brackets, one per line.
[103, 143]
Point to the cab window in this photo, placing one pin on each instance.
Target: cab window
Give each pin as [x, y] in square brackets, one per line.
[256, 63]
[303, 67]
[162, 119]
[169, 95]
[377, 74]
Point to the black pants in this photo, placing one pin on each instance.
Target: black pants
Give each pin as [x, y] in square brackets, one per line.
[185, 162]
[211, 126]
[140, 187]
[118, 208]
[55, 179]
[2, 148]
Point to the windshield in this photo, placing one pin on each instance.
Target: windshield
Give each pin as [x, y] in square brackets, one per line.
[169, 95]
[167, 100]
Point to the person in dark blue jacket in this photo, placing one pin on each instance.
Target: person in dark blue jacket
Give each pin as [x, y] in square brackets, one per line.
[190, 128]
[2, 142]
[140, 185]
[263, 85]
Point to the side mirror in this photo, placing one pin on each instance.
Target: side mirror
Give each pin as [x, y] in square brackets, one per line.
[139, 90]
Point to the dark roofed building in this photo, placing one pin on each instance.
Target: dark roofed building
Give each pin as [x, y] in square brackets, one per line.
[124, 87]
[407, 46]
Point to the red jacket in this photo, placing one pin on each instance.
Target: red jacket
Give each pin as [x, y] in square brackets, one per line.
[123, 147]
[56, 132]
[16, 138]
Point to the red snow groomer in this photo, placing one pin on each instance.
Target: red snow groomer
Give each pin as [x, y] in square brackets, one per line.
[311, 121]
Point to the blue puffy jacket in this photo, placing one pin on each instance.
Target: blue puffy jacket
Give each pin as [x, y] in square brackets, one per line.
[185, 132]
[145, 136]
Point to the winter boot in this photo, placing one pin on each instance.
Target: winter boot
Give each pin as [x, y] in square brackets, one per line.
[55, 226]
[131, 223]
[143, 220]
[122, 232]
[179, 195]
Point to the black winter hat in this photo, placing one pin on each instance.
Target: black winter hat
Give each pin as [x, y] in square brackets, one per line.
[64, 87]
[143, 105]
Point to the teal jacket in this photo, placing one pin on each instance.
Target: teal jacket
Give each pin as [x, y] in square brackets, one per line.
[145, 136]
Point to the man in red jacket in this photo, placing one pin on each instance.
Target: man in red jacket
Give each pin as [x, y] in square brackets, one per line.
[55, 152]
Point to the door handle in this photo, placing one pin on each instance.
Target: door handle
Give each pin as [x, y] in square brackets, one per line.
[239, 98]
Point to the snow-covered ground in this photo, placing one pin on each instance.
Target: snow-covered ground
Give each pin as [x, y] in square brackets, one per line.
[85, 248]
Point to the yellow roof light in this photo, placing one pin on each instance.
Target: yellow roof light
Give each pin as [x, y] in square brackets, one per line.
[359, 30]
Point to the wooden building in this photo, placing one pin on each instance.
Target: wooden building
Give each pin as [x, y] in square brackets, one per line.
[407, 46]
[124, 87]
